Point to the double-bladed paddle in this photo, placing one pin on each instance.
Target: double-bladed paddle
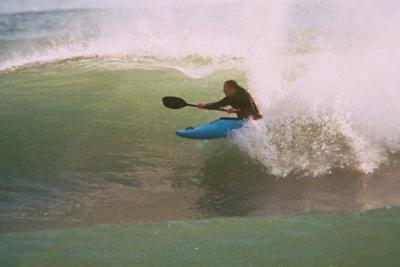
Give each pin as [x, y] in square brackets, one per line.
[177, 103]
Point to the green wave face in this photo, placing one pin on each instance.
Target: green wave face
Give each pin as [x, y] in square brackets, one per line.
[75, 135]
[88, 141]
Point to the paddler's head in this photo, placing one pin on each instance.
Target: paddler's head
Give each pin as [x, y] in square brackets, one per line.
[231, 87]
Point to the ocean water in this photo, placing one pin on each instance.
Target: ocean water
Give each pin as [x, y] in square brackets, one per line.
[295, 240]
[85, 140]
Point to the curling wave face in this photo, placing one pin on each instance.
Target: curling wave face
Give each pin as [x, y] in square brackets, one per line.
[79, 85]
[326, 80]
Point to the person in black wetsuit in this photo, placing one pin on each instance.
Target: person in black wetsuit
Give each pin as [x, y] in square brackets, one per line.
[239, 99]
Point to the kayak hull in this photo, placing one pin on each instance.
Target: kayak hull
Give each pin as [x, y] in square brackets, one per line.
[220, 128]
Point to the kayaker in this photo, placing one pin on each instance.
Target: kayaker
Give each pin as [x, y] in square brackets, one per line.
[239, 99]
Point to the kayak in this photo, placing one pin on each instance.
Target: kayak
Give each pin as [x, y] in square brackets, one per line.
[216, 129]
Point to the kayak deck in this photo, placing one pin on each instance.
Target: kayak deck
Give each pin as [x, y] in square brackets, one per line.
[220, 128]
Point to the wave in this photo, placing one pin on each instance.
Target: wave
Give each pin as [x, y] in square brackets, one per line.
[193, 66]
[324, 73]
[85, 135]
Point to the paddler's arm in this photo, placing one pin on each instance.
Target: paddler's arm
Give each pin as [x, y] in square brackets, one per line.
[216, 105]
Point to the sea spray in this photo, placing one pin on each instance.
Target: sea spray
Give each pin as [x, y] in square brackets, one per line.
[342, 110]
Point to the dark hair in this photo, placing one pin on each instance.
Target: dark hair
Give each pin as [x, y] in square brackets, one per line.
[235, 85]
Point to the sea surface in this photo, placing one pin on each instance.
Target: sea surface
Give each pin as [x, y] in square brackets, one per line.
[92, 173]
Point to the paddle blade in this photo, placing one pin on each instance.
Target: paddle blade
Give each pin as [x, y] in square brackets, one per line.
[174, 102]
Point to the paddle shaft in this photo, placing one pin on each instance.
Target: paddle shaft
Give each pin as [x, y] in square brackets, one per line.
[218, 109]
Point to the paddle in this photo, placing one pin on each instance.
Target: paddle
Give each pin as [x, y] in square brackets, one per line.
[177, 103]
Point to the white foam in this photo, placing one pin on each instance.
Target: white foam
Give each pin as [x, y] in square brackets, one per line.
[343, 110]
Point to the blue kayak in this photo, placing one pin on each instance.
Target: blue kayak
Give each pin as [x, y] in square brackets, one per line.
[216, 129]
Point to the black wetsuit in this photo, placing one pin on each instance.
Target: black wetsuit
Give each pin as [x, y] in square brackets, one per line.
[242, 101]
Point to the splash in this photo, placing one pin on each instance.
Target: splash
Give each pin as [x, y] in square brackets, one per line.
[336, 107]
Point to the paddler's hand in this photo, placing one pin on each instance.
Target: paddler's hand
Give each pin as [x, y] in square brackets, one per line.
[233, 110]
[200, 105]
